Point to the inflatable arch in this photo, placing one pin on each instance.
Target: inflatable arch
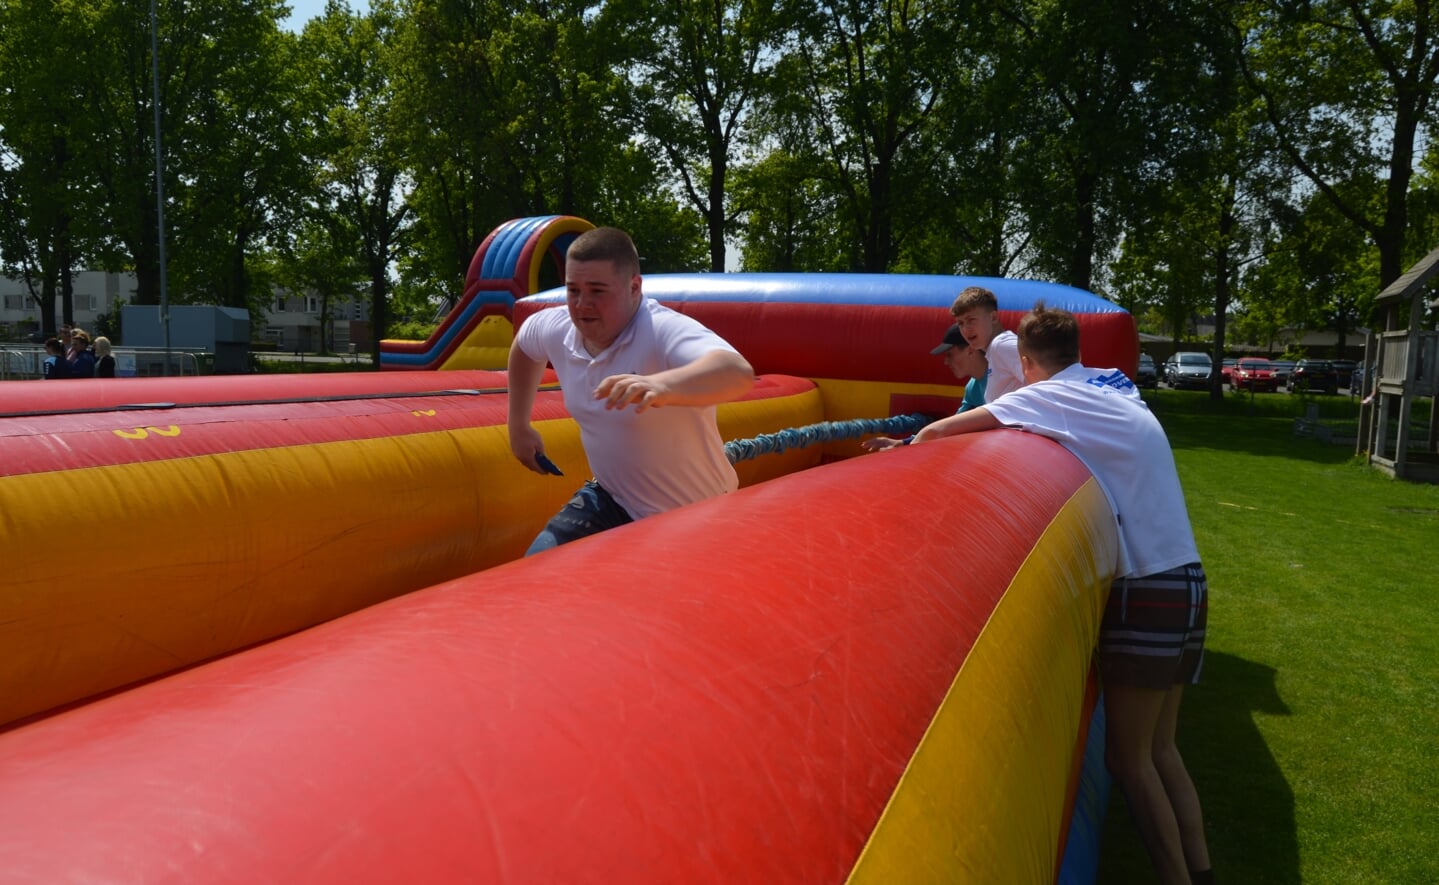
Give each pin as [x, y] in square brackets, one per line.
[476, 333]
[792, 683]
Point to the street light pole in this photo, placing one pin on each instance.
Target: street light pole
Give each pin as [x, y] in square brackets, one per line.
[159, 178]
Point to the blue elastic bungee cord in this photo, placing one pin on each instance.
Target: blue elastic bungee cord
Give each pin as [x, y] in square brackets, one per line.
[826, 431]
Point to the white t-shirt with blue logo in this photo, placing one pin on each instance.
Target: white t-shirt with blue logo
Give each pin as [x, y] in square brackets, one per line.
[1097, 414]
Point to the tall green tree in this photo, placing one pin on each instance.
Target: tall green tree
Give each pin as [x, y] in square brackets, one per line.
[1205, 189]
[1347, 87]
[699, 66]
[1318, 275]
[970, 216]
[1086, 66]
[223, 122]
[356, 221]
[790, 220]
[857, 85]
[233, 151]
[511, 108]
[499, 105]
[48, 213]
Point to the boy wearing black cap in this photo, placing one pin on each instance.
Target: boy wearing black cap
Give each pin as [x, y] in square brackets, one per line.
[965, 362]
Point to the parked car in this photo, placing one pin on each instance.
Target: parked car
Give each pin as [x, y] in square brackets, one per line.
[1147, 375]
[1226, 370]
[1344, 372]
[1188, 369]
[1282, 370]
[1315, 375]
[1253, 373]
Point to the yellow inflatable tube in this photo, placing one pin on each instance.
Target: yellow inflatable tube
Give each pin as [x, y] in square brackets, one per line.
[156, 539]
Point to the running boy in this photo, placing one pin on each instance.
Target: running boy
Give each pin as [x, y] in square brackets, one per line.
[613, 348]
[1151, 641]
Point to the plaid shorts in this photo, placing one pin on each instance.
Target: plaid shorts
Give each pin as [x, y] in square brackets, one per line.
[1152, 634]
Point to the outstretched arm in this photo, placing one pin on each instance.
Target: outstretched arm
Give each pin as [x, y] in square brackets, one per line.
[882, 444]
[523, 380]
[717, 377]
[972, 421]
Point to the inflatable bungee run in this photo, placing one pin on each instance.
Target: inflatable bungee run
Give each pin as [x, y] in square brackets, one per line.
[263, 628]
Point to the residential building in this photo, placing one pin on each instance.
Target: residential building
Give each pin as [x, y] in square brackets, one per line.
[290, 322]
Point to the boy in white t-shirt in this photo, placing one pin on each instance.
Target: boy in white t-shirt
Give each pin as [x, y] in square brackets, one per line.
[1151, 640]
[613, 348]
[976, 312]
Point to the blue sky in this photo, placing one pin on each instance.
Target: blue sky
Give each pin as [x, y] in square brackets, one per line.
[302, 11]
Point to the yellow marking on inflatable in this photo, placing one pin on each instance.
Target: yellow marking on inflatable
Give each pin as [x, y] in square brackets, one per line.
[982, 797]
[423, 413]
[144, 432]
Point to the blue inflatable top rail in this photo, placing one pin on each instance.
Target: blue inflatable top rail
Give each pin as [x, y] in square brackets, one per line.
[909, 290]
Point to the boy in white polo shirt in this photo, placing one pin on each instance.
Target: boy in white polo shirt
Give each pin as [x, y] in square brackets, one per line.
[1151, 640]
[613, 348]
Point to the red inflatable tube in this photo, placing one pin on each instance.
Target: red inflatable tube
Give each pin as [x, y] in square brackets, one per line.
[727, 692]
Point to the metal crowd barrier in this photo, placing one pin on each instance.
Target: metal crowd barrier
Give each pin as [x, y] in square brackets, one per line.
[130, 362]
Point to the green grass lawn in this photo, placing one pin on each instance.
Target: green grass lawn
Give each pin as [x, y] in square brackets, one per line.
[1313, 737]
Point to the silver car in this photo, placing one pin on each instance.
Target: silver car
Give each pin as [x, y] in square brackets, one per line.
[1188, 369]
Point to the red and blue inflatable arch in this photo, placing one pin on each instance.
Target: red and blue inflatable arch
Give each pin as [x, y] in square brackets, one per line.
[506, 266]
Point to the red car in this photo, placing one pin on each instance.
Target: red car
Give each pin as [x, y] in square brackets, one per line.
[1252, 373]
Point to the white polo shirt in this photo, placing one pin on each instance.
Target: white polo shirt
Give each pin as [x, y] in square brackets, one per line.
[650, 462]
[1005, 374]
[1097, 414]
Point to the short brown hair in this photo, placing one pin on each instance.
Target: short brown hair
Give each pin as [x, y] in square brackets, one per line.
[1049, 336]
[972, 297]
[606, 244]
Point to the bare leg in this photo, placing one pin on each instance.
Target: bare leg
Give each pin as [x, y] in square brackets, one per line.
[1183, 798]
[1132, 716]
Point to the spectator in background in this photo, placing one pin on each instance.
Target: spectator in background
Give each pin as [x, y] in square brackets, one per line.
[55, 365]
[104, 362]
[81, 361]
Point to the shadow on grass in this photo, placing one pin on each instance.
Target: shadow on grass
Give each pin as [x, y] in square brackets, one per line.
[1253, 424]
[1248, 805]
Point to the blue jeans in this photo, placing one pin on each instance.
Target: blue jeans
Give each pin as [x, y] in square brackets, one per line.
[589, 512]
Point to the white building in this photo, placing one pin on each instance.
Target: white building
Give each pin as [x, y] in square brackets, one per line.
[291, 322]
[95, 293]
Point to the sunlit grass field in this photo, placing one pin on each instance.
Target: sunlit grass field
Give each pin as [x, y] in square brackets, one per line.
[1314, 735]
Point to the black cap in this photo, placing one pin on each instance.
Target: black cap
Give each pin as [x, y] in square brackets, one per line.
[952, 338]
